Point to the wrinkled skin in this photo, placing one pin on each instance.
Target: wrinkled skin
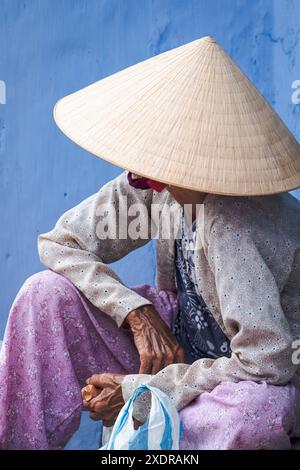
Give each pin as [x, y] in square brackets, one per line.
[156, 344]
[107, 404]
[157, 347]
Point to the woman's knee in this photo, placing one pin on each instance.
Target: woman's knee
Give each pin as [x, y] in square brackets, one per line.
[44, 281]
[45, 287]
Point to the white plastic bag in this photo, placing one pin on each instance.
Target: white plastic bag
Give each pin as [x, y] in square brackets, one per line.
[161, 431]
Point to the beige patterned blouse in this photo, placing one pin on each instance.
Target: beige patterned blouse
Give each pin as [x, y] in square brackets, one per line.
[247, 269]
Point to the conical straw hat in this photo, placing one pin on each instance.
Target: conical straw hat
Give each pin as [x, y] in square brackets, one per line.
[188, 117]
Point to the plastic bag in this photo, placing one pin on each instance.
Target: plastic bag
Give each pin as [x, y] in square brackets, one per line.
[161, 431]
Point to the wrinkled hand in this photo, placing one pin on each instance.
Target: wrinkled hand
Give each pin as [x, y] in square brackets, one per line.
[103, 397]
[156, 344]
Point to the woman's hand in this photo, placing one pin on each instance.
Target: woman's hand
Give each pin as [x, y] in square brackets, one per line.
[156, 344]
[103, 397]
[157, 347]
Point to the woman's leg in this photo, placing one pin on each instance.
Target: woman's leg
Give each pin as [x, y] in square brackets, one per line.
[244, 415]
[54, 340]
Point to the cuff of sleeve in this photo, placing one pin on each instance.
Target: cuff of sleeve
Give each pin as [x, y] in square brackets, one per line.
[141, 406]
[132, 302]
[133, 381]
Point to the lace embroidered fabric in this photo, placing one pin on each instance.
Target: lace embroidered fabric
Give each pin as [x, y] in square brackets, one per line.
[195, 327]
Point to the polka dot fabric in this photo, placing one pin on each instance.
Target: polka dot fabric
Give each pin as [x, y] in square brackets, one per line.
[247, 269]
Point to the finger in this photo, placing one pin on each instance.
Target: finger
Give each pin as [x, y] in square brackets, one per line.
[170, 356]
[106, 415]
[146, 362]
[95, 416]
[99, 380]
[158, 356]
[89, 392]
[145, 352]
[180, 356]
[86, 405]
[98, 404]
[82, 393]
[105, 404]
[109, 423]
[157, 363]
[143, 346]
[136, 424]
[170, 347]
[91, 406]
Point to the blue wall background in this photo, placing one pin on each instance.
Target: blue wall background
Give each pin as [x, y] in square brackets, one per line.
[50, 48]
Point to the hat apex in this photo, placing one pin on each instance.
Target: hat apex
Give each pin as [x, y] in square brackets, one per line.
[208, 39]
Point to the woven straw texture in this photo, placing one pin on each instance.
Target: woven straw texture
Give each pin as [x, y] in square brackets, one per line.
[188, 117]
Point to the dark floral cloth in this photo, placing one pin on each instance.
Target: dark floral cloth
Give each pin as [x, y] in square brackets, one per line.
[195, 327]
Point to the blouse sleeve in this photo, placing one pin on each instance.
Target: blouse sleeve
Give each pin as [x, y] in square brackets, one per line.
[252, 314]
[77, 248]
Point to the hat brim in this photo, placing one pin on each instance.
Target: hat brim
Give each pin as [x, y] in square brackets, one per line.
[188, 118]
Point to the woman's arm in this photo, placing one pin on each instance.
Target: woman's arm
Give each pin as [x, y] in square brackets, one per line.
[73, 248]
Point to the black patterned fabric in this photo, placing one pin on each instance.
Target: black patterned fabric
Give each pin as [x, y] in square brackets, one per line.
[195, 327]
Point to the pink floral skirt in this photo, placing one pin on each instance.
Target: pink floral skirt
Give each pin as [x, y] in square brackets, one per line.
[55, 338]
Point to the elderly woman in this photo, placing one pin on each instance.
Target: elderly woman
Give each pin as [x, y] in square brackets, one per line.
[218, 333]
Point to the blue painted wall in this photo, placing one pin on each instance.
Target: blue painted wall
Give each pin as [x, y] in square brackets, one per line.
[49, 48]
